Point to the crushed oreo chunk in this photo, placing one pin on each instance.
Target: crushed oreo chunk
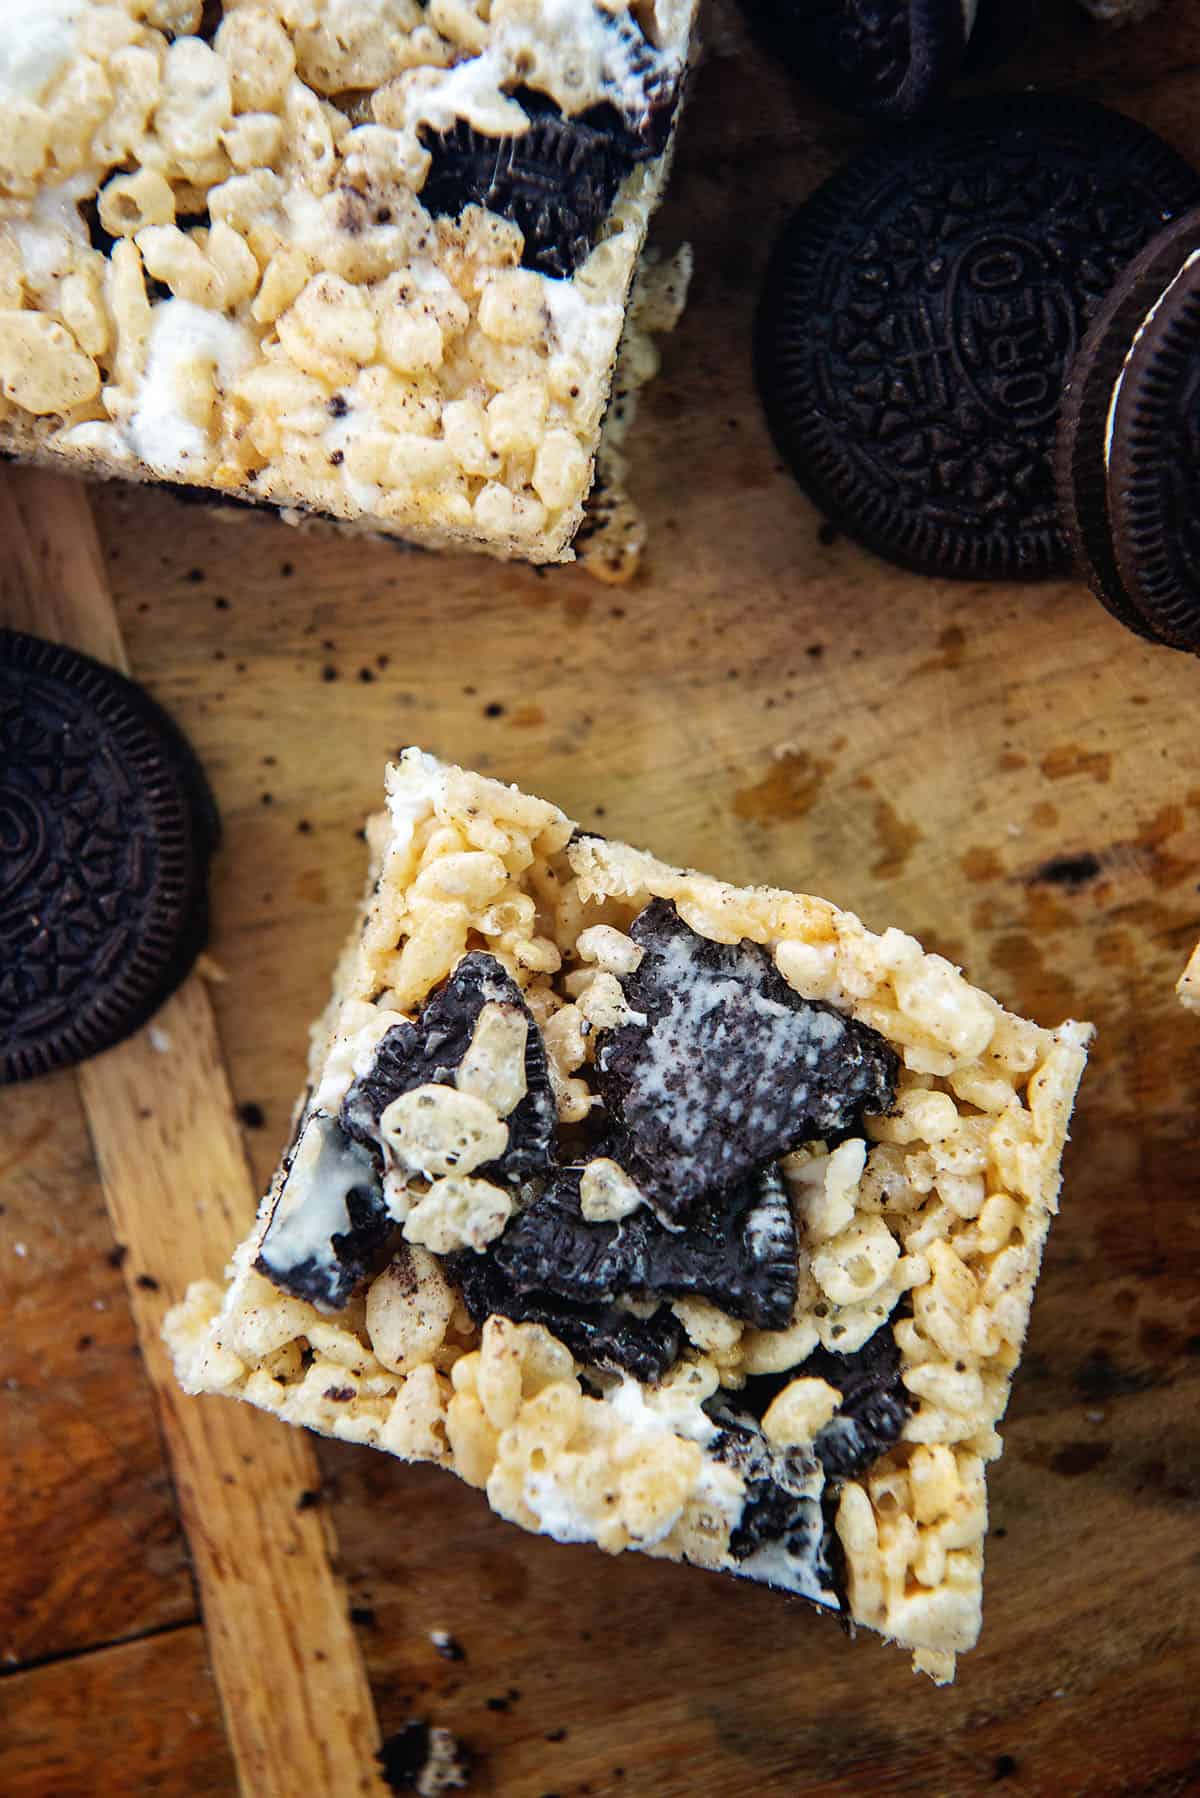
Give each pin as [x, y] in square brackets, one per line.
[781, 1536]
[874, 1407]
[737, 1248]
[430, 1052]
[556, 182]
[874, 1403]
[330, 1227]
[605, 1336]
[729, 1067]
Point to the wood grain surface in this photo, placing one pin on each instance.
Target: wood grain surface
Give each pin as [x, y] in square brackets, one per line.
[1003, 771]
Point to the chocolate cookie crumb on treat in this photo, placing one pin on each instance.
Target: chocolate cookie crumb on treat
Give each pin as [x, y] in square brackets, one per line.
[922, 308]
[106, 830]
[790, 1367]
[1128, 442]
[737, 1248]
[720, 1066]
[433, 1051]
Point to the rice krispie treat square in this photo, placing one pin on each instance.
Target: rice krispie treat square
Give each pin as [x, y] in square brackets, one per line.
[367, 259]
[678, 1217]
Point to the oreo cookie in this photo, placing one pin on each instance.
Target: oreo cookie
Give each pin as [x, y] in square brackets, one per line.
[922, 308]
[723, 1067]
[1129, 444]
[107, 825]
[431, 1051]
[558, 180]
[737, 1248]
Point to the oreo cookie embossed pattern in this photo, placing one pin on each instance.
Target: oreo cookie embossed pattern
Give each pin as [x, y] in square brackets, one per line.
[106, 827]
[922, 309]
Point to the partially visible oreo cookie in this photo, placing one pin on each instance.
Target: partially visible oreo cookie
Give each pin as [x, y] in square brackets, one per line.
[730, 1068]
[922, 308]
[600, 1335]
[107, 825]
[1090, 486]
[431, 1050]
[558, 180]
[888, 59]
[737, 1248]
[1154, 460]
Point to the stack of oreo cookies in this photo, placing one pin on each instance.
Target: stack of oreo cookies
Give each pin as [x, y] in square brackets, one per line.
[923, 317]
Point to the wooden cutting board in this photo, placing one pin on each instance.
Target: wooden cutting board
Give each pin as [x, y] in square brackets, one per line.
[1003, 771]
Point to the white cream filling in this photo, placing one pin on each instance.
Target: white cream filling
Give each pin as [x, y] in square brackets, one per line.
[312, 1206]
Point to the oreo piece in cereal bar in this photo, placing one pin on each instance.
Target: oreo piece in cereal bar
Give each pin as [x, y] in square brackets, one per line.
[368, 262]
[774, 1340]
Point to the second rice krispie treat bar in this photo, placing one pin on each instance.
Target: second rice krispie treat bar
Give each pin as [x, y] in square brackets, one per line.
[679, 1217]
[362, 258]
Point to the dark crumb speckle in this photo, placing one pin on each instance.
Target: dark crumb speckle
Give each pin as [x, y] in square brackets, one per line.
[816, 651]
[116, 1255]
[382, 660]
[999, 1532]
[1069, 871]
[304, 827]
[402, 1756]
[329, 672]
[493, 710]
[497, 1704]
[361, 833]
[287, 569]
[1074, 1458]
[424, 1759]
[222, 605]
[195, 576]
[147, 1282]
[366, 675]
[308, 1498]
[556, 1735]
[364, 1615]
[470, 692]
[448, 1646]
[337, 406]
[252, 1115]
[1003, 1767]
[340, 1395]
[336, 458]
[84, 1343]
[827, 535]
[266, 799]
